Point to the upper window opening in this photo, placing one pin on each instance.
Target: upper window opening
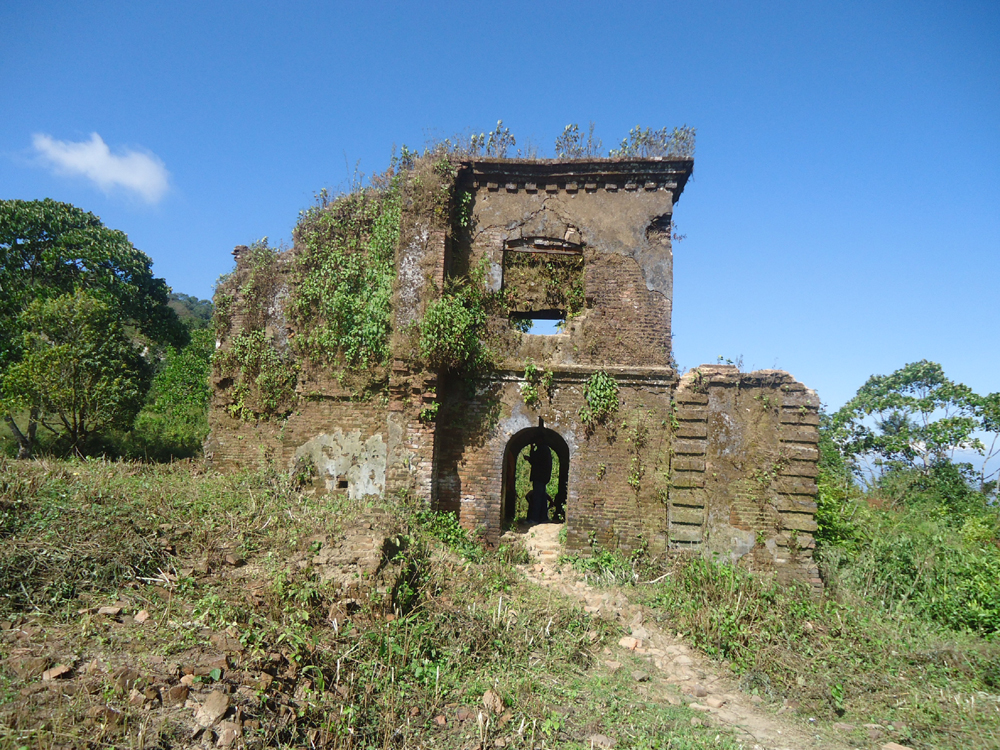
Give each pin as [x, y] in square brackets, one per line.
[544, 281]
[540, 322]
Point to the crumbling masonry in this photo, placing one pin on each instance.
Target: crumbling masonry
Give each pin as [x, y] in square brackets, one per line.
[716, 461]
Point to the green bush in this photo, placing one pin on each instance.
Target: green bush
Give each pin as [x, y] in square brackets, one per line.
[920, 561]
[174, 421]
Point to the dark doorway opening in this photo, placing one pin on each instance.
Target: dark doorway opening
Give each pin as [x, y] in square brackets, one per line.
[519, 445]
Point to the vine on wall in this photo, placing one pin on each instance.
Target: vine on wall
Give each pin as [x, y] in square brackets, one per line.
[342, 276]
[256, 373]
[601, 396]
[535, 378]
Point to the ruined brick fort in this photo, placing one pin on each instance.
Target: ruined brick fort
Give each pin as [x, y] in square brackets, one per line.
[716, 461]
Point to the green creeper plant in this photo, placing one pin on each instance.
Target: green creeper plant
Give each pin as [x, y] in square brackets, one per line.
[601, 396]
[343, 277]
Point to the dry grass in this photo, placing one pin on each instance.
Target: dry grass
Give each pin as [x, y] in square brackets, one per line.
[404, 660]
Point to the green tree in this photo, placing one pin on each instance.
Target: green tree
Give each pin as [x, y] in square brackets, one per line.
[913, 418]
[988, 411]
[79, 370]
[50, 249]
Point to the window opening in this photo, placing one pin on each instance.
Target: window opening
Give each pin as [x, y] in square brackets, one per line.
[540, 322]
[544, 282]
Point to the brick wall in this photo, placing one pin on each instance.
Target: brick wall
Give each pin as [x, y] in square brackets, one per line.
[744, 470]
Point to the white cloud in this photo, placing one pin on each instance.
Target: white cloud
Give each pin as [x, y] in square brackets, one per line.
[140, 173]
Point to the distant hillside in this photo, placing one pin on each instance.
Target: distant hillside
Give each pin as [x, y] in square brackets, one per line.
[194, 313]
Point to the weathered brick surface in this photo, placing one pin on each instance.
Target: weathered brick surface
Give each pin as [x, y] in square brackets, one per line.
[718, 462]
[759, 468]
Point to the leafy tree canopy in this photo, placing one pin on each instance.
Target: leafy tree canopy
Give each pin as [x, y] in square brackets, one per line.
[53, 251]
[79, 371]
[193, 312]
[48, 248]
[913, 418]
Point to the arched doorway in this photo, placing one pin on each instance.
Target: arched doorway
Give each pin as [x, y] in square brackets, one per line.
[541, 436]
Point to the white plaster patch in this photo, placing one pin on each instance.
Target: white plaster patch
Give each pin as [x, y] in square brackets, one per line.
[494, 277]
[361, 463]
[729, 543]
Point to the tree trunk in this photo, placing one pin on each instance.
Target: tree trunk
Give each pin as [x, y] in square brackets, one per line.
[23, 443]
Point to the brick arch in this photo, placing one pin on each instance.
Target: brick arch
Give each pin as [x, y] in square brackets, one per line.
[517, 442]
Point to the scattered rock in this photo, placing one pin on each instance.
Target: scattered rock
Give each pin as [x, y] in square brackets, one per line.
[105, 714]
[698, 691]
[463, 714]
[601, 740]
[225, 642]
[613, 665]
[630, 643]
[235, 560]
[213, 709]
[440, 720]
[842, 726]
[640, 676]
[229, 732]
[141, 616]
[673, 700]
[136, 698]
[27, 667]
[125, 679]
[696, 722]
[714, 702]
[94, 667]
[176, 695]
[493, 702]
[640, 633]
[187, 680]
[59, 670]
[875, 731]
[110, 611]
[895, 746]
[698, 707]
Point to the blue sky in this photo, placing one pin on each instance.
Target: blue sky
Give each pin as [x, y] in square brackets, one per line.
[844, 218]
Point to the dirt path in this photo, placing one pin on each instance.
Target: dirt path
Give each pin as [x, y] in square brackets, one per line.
[677, 673]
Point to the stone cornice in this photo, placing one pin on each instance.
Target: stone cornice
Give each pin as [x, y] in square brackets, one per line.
[578, 176]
